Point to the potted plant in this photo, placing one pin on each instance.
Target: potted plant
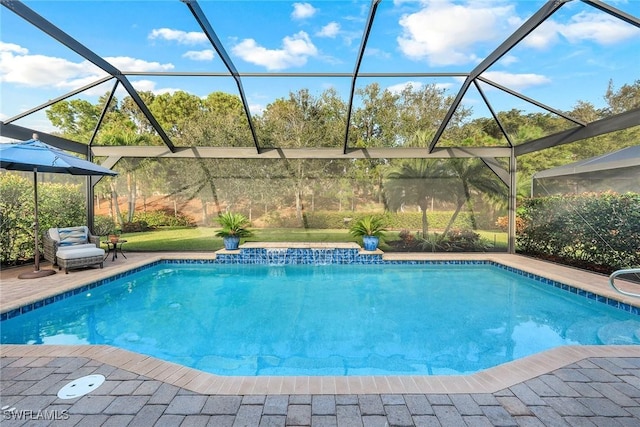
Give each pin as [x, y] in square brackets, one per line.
[234, 227]
[114, 236]
[371, 229]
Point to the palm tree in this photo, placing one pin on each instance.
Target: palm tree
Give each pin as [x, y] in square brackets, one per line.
[471, 174]
[411, 183]
[417, 181]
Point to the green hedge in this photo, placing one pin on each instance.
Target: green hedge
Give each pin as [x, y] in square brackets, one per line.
[60, 205]
[393, 220]
[163, 218]
[597, 229]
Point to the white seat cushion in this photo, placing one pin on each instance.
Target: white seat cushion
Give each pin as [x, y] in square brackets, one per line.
[76, 247]
[80, 253]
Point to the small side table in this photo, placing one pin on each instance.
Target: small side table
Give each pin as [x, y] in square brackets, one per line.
[113, 248]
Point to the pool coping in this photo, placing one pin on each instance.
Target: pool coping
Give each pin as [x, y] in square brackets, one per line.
[486, 381]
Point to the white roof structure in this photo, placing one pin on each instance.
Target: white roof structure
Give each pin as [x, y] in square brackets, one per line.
[618, 171]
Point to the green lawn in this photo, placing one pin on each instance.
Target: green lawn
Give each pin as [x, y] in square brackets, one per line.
[203, 238]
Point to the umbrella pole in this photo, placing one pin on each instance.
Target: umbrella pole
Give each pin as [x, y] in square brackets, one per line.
[36, 271]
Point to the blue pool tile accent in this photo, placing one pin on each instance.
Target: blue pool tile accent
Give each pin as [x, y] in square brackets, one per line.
[311, 256]
[282, 256]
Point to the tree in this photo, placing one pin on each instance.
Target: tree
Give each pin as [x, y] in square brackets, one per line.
[422, 110]
[624, 99]
[586, 111]
[131, 110]
[412, 183]
[125, 139]
[303, 120]
[375, 123]
[471, 174]
[221, 122]
[174, 110]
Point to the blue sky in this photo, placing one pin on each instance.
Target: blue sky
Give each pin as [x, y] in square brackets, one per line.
[571, 57]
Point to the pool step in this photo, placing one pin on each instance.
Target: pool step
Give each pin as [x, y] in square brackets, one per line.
[623, 332]
[303, 253]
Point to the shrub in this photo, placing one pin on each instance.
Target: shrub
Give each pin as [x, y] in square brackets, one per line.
[343, 219]
[135, 227]
[16, 217]
[103, 225]
[601, 231]
[503, 223]
[456, 240]
[163, 218]
[60, 205]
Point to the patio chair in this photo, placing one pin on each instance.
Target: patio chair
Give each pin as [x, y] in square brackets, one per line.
[72, 247]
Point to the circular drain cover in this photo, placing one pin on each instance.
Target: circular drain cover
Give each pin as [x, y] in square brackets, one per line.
[81, 386]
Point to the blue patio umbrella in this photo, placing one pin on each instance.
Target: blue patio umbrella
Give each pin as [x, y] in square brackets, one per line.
[36, 156]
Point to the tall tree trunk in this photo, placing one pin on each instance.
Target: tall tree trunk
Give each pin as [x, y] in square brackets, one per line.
[425, 220]
[299, 193]
[116, 207]
[131, 186]
[212, 185]
[298, 203]
[204, 212]
[459, 206]
[469, 203]
[353, 199]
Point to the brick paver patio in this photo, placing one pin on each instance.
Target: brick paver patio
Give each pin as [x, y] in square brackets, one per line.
[592, 392]
[573, 386]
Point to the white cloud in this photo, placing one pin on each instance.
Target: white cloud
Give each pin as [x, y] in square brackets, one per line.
[11, 47]
[415, 86]
[256, 109]
[295, 51]
[516, 81]
[398, 88]
[45, 71]
[303, 11]
[181, 37]
[545, 35]
[17, 66]
[126, 63]
[444, 33]
[144, 85]
[377, 53]
[508, 60]
[330, 30]
[200, 55]
[447, 34]
[597, 27]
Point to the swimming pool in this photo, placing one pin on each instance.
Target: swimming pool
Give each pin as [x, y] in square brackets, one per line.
[392, 319]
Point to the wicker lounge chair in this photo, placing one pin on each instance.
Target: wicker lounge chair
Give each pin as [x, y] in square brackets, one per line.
[72, 247]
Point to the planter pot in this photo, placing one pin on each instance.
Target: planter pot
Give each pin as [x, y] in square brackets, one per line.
[370, 243]
[231, 243]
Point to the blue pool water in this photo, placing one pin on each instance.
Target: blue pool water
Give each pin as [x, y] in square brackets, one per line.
[327, 319]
